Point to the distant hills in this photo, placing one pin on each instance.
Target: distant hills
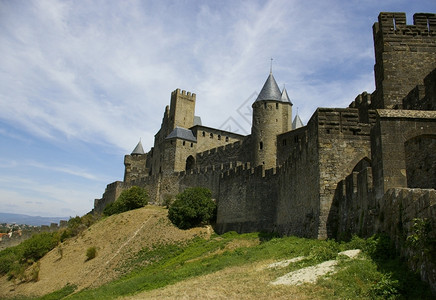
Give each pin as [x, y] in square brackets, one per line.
[29, 220]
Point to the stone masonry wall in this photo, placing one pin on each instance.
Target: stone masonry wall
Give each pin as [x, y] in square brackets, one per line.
[421, 162]
[398, 209]
[112, 192]
[210, 138]
[422, 97]
[392, 130]
[247, 200]
[354, 209]
[231, 152]
[298, 204]
[135, 167]
[343, 142]
[404, 55]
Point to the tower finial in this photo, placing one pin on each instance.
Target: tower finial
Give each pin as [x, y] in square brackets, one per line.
[270, 68]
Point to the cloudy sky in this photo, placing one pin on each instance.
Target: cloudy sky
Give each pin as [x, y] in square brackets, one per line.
[82, 81]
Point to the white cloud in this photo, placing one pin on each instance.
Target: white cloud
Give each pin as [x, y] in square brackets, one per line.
[100, 73]
[38, 198]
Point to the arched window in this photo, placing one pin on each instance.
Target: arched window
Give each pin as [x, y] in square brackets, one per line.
[190, 163]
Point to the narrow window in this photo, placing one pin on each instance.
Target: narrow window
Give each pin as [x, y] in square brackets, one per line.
[211, 135]
[192, 145]
[203, 134]
[261, 145]
[219, 137]
[277, 106]
[264, 105]
[227, 138]
[184, 143]
[284, 142]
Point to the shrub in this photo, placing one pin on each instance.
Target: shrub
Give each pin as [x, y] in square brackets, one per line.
[192, 207]
[133, 198]
[8, 258]
[91, 253]
[385, 288]
[38, 245]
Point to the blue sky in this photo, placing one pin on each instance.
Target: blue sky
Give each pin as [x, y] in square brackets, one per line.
[82, 81]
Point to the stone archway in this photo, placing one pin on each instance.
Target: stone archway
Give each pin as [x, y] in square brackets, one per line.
[190, 163]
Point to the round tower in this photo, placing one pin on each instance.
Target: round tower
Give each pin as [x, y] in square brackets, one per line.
[272, 115]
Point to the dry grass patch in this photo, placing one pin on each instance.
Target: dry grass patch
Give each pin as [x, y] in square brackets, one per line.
[240, 282]
[117, 238]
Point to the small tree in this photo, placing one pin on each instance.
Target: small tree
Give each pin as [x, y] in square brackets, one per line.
[91, 253]
[192, 207]
[133, 198]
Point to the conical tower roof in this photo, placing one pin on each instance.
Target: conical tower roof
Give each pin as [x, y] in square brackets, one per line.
[270, 90]
[284, 97]
[297, 122]
[138, 149]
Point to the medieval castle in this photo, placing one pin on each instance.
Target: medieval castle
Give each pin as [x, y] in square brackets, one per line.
[359, 169]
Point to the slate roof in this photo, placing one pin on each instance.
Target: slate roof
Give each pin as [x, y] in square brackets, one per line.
[197, 120]
[270, 90]
[284, 97]
[138, 149]
[182, 133]
[297, 122]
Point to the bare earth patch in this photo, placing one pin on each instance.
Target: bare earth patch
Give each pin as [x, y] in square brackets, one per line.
[243, 282]
[312, 273]
[116, 239]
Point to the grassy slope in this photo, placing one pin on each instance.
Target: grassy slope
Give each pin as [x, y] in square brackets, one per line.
[116, 239]
[233, 266]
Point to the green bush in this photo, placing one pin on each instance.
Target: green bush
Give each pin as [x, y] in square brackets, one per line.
[38, 245]
[15, 260]
[133, 198]
[8, 258]
[91, 253]
[192, 207]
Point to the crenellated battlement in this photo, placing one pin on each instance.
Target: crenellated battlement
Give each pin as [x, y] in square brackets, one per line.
[222, 154]
[390, 23]
[183, 93]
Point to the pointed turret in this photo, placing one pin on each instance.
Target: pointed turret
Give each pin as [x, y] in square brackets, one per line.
[284, 97]
[270, 90]
[138, 149]
[297, 122]
[272, 115]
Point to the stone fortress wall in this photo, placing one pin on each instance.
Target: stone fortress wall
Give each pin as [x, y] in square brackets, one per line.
[356, 170]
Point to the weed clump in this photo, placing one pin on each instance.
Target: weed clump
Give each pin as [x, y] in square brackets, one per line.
[91, 253]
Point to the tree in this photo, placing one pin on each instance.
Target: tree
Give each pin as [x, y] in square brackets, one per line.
[192, 207]
[133, 198]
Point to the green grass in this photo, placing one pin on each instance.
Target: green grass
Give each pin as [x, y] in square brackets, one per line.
[377, 275]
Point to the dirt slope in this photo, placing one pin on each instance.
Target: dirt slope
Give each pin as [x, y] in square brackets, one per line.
[251, 281]
[116, 239]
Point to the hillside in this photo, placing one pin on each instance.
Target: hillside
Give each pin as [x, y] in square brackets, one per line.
[116, 238]
[140, 255]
